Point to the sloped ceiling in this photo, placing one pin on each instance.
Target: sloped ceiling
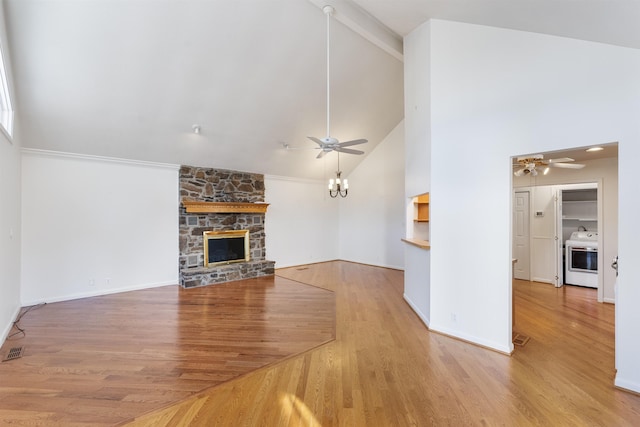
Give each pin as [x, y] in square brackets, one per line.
[128, 78]
[606, 21]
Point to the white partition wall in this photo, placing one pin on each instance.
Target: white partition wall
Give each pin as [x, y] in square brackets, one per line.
[496, 93]
[417, 107]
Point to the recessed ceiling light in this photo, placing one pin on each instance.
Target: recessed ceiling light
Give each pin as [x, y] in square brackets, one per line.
[594, 149]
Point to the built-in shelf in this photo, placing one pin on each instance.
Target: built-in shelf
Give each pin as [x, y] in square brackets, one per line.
[224, 207]
[421, 203]
[424, 244]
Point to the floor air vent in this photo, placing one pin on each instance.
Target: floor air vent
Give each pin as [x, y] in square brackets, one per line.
[520, 340]
[14, 353]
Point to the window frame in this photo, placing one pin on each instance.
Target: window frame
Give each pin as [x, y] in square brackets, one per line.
[6, 104]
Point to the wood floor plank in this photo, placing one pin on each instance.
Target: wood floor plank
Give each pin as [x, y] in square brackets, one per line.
[383, 369]
[108, 359]
[386, 369]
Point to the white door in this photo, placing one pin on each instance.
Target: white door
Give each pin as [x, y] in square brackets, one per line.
[521, 269]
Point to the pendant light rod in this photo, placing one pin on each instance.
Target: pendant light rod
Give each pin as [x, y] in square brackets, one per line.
[328, 10]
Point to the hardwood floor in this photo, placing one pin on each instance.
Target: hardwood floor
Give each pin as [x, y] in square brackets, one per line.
[105, 360]
[384, 367]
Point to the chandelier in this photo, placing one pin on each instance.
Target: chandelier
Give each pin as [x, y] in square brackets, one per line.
[337, 185]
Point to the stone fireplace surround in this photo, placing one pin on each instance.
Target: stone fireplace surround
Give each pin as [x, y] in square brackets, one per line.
[241, 190]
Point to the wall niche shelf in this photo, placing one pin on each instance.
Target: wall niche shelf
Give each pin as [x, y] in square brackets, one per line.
[421, 204]
[422, 244]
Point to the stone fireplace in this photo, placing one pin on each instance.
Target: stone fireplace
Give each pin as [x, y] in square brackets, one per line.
[217, 202]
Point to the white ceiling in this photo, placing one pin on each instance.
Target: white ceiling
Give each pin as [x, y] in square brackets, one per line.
[129, 78]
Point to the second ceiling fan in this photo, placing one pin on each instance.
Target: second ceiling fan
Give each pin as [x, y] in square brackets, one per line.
[527, 164]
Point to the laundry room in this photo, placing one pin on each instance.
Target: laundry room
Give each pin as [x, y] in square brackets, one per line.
[565, 228]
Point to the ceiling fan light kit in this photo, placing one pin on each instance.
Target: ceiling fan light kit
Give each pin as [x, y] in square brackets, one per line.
[337, 188]
[528, 164]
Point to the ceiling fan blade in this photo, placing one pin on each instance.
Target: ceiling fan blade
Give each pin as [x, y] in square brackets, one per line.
[348, 150]
[567, 165]
[353, 142]
[321, 154]
[316, 140]
[561, 160]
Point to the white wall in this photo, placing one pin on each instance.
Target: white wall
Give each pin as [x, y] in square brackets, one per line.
[601, 170]
[9, 212]
[301, 223]
[9, 233]
[417, 110]
[94, 226]
[372, 216]
[497, 93]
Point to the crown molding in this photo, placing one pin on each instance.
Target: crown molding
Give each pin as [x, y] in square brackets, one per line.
[64, 155]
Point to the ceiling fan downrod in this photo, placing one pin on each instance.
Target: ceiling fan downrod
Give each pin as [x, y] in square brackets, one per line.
[328, 11]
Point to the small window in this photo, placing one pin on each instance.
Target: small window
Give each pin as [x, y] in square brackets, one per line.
[6, 107]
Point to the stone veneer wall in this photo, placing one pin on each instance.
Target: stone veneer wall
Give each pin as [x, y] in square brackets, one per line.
[218, 185]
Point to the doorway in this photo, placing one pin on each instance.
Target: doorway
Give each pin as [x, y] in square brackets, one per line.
[601, 171]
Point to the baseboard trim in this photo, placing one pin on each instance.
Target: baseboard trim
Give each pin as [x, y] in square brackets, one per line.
[416, 310]
[98, 293]
[508, 351]
[7, 328]
[625, 385]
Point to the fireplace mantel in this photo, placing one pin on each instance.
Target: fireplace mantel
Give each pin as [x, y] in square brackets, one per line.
[224, 207]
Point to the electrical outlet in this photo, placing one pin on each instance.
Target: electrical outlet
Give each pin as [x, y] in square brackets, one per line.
[454, 317]
[107, 281]
[92, 282]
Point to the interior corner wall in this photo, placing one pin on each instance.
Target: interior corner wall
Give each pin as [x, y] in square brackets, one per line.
[9, 233]
[372, 216]
[9, 211]
[93, 226]
[497, 93]
[300, 223]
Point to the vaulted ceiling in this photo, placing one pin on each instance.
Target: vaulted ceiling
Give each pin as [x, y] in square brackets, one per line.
[128, 79]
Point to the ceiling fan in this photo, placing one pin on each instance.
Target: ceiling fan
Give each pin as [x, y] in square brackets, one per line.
[527, 165]
[328, 143]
